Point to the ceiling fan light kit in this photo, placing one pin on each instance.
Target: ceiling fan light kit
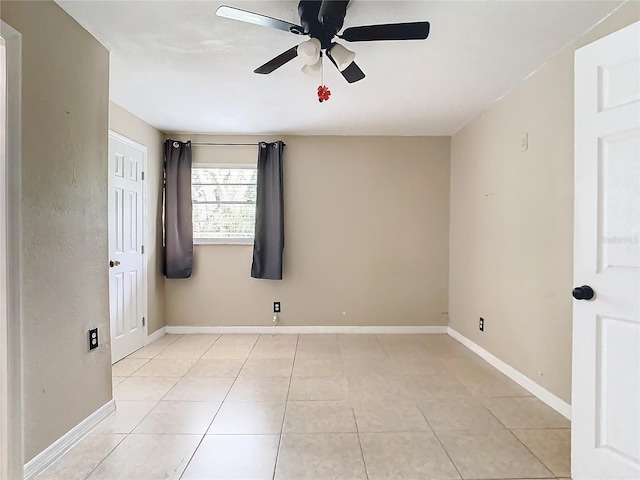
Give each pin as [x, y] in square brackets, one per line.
[309, 51]
[314, 70]
[322, 22]
[342, 56]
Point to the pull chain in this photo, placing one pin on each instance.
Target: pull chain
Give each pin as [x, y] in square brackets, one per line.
[323, 91]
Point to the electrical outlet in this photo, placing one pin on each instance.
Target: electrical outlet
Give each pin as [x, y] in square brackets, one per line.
[276, 307]
[93, 338]
[481, 324]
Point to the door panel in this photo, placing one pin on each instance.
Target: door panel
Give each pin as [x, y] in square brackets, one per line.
[118, 234]
[619, 201]
[119, 294]
[126, 272]
[606, 329]
[615, 408]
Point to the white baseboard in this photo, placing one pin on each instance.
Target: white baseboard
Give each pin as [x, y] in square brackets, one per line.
[559, 405]
[286, 329]
[43, 460]
[161, 332]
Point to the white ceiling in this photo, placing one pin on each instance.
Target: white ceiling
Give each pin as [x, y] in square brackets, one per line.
[181, 68]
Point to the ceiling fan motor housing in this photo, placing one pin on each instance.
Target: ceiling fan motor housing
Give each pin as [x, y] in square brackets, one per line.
[322, 20]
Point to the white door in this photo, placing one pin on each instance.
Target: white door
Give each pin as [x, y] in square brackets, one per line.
[606, 329]
[127, 296]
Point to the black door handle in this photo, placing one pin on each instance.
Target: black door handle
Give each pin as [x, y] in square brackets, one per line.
[584, 292]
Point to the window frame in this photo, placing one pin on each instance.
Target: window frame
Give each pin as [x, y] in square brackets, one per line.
[223, 241]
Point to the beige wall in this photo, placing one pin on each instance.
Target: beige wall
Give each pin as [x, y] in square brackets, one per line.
[512, 222]
[366, 233]
[64, 221]
[127, 124]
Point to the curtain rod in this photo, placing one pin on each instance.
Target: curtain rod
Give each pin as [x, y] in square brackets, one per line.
[210, 144]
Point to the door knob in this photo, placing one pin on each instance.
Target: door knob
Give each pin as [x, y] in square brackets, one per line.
[584, 292]
[113, 263]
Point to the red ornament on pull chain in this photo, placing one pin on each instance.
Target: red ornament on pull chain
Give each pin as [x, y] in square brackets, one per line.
[323, 93]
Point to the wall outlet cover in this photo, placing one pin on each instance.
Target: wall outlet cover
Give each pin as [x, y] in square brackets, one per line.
[93, 338]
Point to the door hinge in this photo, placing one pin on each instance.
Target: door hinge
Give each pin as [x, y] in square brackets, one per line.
[142, 249]
[142, 175]
[144, 321]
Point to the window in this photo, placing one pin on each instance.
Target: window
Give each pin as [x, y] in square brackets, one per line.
[224, 203]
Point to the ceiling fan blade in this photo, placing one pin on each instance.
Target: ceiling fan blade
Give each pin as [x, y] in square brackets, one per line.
[390, 31]
[258, 19]
[278, 61]
[352, 73]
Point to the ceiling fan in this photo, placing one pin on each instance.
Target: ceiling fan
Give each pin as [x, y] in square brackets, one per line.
[322, 20]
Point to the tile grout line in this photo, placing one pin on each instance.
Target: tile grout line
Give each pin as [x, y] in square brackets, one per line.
[513, 434]
[435, 434]
[158, 402]
[147, 359]
[342, 358]
[531, 452]
[126, 435]
[179, 378]
[364, 461]
[221, 403]
[505, 429]
[355, 420]
[182, 376]
[138, 423]
[125, 358]
[479, 401]
[284, 415]
[103, 459]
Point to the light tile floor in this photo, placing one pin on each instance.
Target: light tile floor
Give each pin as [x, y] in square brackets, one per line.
[317, 407]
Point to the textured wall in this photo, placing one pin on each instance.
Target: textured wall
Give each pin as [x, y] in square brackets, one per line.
[366, 233]
[127, 124]
[512, 221]
[64, 220]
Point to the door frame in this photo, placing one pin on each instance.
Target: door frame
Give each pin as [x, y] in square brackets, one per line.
[11, 450]
[145, 279]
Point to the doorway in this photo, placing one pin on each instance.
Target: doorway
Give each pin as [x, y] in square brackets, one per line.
[10, 336]
[127, 260]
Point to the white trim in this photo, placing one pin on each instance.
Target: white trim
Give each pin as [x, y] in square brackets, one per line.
[145, 199]
[61, 446]
[559, 405]
[344, 329]
[10, 318]
[247, 242]
[4, 270]
[128, 141]
[161, 332]
[252, 166]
